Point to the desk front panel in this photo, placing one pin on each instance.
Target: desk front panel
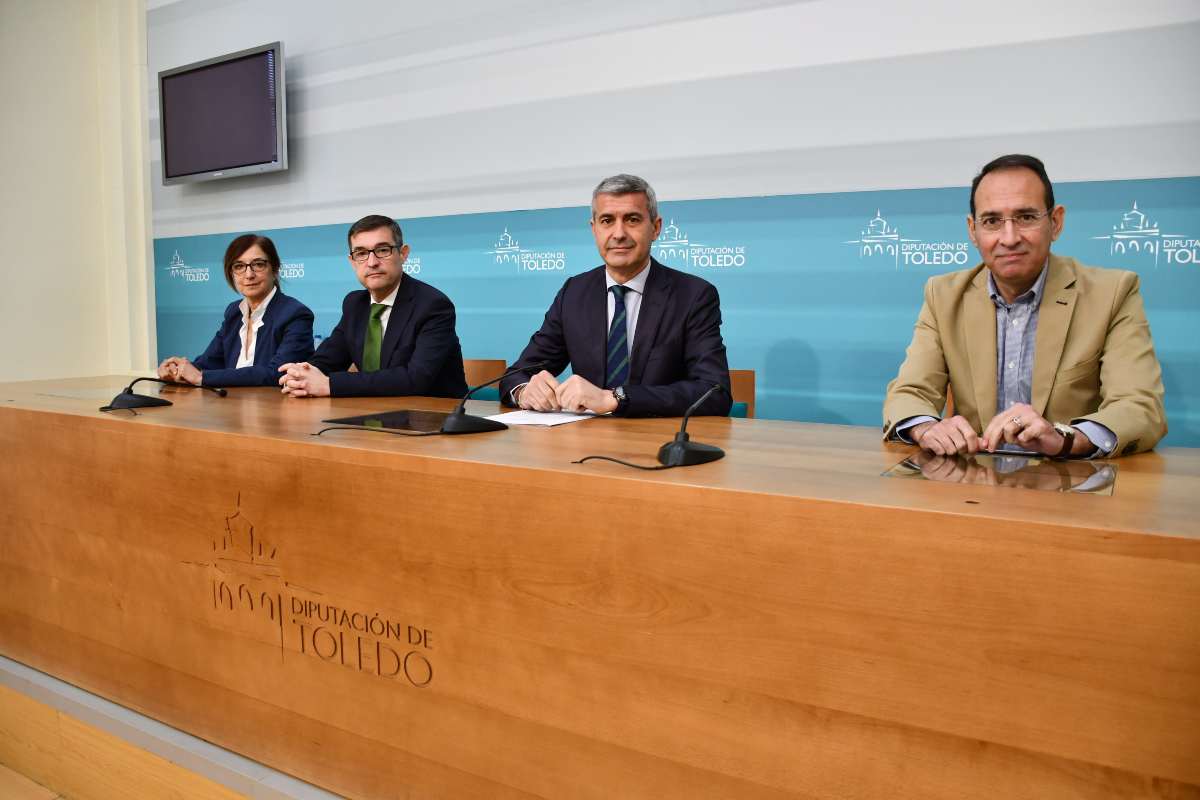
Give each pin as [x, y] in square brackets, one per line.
[478, 617]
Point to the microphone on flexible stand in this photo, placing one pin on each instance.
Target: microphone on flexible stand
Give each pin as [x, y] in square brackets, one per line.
[460, 421]
[127, 398]
[682, 452]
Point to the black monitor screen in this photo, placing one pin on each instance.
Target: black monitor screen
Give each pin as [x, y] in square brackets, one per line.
[220, 116]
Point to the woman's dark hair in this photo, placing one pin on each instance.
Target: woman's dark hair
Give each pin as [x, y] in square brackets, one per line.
[243, 243]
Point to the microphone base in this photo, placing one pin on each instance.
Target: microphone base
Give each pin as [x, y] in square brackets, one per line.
[685, 453]
[131, 400]
[459, 422]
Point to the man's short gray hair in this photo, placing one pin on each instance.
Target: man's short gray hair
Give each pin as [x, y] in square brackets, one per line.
[627, 184]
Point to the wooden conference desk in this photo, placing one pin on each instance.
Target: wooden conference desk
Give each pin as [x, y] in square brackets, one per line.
[477, 617]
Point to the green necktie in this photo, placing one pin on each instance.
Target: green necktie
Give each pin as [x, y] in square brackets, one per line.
[374, 338]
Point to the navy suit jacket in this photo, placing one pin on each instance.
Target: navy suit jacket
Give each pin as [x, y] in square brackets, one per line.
[420, 354]
[678, 353]
[286, 335]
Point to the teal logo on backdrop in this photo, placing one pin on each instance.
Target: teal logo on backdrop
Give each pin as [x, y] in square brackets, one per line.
[1137, 235]
[507, 250]
[879, 238]
[179, 270]
[293, 271]
[675, 249]
[882, 239]
[412, 265]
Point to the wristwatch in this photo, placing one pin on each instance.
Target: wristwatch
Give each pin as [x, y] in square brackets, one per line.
[1068, 434]
[618, 393]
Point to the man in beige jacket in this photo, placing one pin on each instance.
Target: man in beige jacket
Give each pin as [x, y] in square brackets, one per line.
[1039, 352]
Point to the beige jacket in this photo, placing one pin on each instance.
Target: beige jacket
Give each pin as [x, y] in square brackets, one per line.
[1093, 357]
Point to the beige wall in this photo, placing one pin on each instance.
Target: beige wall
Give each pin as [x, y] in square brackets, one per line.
[74, 243]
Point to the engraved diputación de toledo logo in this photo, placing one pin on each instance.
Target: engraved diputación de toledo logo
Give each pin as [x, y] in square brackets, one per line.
[249, 590]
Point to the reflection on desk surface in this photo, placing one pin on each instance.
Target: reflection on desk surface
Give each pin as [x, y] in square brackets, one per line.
[1025, 472]
[409, 420]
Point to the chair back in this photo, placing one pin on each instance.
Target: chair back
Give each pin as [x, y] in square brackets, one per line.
[741, 381]
[482, 370]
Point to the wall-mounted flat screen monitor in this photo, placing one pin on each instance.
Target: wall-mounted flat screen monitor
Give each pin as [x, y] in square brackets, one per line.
[223, 116]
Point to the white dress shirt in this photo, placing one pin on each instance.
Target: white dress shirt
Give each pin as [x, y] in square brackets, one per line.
[252, 321]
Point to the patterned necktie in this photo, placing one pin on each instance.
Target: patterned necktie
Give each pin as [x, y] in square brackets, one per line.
[374, 341]
[618, 344]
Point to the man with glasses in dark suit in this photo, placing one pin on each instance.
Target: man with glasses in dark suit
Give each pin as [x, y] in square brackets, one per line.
[398, 331]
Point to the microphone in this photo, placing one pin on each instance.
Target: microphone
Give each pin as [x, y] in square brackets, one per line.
[127, 398]
[459, 421]
[682, 452]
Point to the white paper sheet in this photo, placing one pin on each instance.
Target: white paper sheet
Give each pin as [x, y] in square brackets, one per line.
[546, 418]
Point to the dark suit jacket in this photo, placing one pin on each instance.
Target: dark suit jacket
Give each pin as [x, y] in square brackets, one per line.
[677, 353]
[420, 353]
[286, 335]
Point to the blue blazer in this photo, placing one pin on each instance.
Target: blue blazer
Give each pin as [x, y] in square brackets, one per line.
[286, 335]
[420, 353]
[678, 353]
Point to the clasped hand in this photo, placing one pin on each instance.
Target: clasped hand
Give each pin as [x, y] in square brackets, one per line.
[302, 379]
[1019, 424]
[545, 393]
[180, 370]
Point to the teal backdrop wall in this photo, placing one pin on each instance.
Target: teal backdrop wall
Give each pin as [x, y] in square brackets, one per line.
[818, 292]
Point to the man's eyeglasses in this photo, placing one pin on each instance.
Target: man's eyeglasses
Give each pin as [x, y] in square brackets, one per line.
[382, 251]
[257, 265]
[1024, 221]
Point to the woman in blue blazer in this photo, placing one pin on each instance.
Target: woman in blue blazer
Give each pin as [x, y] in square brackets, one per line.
[264, 329]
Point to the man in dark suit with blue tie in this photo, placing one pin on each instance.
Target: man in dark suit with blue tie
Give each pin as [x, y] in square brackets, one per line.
[642, 339]
[399, 332]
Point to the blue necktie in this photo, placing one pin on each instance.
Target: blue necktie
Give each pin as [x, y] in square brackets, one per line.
[618, 343]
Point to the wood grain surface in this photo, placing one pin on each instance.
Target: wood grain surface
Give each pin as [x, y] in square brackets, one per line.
[81, 762]
[476, 616]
